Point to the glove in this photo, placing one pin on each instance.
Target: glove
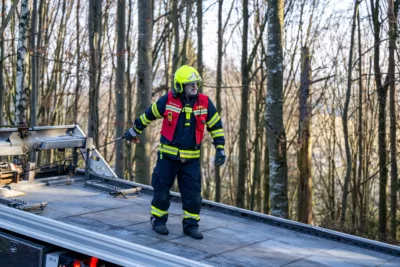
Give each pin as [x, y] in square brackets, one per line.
[130, 135]
[220, 158]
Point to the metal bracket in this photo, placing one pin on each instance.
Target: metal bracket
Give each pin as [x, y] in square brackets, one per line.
[97, 163]
[23, 130]
[23, 205]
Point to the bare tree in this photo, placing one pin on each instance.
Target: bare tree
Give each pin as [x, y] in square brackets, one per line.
[6, 19]
[304, 161]
[120, 90]
[94, 68]
[129, 92]
[144, 78]
[34, 69]
[175, 27]
[218, 93]
[266, 183]
[34, 73]
[220, 54]
[345, 115]
[393, 117]
[360, 127]
[4, 22]
[2, 86]
[382, 95]
[242, 173]
[189, 6]
[332, 164]
[274, 111]
[256, 176]
[78, 62]
[21, 104]
[199, 15]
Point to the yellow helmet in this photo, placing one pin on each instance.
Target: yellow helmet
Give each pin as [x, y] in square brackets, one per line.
[184, 75]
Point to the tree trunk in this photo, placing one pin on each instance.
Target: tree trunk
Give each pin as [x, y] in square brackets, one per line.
[4, 22]
[200, 39]
[10, 114]
[266, 183]
[305, 179]
[40, 65]
[120, 91]
[369, 123]
[353, 182]
[78, 62]
[94, 68]
[392, 19]
[345, 117]
[242, 172]
[6, 19]
[129, 91]
[256, 173]
[34, 70]
[382, 94]
[189, 6]
[175, 26]
[168, 60]
[332, 165]
[2, 86]
[218, 94]
[263, 195]
[34, 73]
[274, 111]
[361, 135]
[256, 185]
[21, 104]
[56, 87]
[144, 79]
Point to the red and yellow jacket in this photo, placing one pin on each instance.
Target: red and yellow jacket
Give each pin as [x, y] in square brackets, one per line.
[184, 122]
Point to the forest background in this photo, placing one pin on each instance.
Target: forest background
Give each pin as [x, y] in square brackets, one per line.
[306, 89]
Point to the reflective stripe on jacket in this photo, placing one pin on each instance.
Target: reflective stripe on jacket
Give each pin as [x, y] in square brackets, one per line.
[183, 154]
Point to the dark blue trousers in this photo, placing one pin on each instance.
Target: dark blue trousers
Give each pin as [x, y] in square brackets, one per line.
[189, 182]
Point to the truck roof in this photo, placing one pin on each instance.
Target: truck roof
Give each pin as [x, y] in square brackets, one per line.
[84, 216]
[232, 237]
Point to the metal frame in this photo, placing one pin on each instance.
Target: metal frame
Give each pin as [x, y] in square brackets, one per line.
[52, 137]
[14, 143]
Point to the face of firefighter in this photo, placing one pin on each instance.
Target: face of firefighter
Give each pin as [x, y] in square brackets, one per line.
[191, 89]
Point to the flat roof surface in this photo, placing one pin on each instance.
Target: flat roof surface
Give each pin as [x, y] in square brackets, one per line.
[228, 240]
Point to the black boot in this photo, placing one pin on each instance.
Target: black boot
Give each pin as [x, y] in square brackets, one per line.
[159, 225]
[161, 229]
[193, 232]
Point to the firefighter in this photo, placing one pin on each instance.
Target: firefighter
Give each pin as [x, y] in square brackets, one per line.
[185, 113]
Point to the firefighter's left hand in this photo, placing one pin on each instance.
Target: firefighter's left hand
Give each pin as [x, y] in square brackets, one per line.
[220, 157]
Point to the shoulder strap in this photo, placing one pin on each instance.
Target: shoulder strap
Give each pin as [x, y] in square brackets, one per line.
[203, 98]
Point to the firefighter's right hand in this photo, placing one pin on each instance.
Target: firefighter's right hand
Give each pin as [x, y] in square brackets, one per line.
[130, 136]
[220, 157]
